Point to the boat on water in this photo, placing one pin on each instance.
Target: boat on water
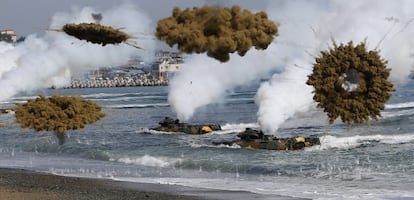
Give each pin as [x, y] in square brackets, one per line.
[174, 125]
[256, 139]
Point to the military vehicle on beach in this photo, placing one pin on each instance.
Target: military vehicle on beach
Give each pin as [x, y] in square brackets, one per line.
[174, 125]
[256, 139]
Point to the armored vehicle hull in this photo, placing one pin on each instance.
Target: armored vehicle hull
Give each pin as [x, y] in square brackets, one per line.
[257, 140]
[171, 125]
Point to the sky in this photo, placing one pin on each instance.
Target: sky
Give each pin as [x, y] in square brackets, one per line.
[27, 17]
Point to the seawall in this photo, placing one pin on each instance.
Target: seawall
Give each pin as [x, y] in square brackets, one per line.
[116, 82]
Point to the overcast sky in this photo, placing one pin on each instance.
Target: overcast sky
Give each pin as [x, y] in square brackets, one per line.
[32, 16]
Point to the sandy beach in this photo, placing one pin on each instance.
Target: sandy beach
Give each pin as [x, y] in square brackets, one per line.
[16, 184]
[23, 184]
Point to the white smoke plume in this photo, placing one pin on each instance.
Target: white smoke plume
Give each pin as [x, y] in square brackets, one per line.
[204, 80]
[306, 28]
[51, 60]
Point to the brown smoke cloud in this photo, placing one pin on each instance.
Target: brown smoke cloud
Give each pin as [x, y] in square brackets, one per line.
[351, 83]
[96, 33]
[57, 113]
[216, 30]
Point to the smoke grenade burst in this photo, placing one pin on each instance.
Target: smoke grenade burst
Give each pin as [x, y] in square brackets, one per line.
[51, 60]
[217, 30]
[351, 83]
[58, 114]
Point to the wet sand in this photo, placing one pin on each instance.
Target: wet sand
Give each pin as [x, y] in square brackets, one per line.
[18, 184]
[22, 185]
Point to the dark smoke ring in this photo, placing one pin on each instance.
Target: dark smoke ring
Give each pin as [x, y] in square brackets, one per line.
[349, 65]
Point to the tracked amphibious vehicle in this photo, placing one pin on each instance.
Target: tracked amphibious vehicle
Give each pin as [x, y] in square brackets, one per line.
[250, 138]
[174, 125]
[255, 139]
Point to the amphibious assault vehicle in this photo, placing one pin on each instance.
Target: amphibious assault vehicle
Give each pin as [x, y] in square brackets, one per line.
[174, 125]
[255, 139]
[6, 110]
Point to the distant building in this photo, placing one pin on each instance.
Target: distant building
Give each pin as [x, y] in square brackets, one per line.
[8, 36]
[167, 63]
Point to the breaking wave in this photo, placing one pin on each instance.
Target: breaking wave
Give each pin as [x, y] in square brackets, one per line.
[149, 105]
[239, 127]
[329, 141]
[400, 105]
[149, 161]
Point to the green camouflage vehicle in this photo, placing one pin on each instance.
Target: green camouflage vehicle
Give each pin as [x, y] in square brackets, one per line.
[258, 140]
[171, 125]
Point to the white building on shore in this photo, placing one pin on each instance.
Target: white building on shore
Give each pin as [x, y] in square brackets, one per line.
[167, 64]
[8, 36]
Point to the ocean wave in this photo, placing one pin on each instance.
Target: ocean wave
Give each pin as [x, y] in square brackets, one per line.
[239, 127]
[150, 131]
[398, 113]
[14, 100]
[104, 95]
[116, 99]
[233, 146]
[149, 161]
[329, 141]
[400, 105]
[240, 100]
[122, 106]
[130, 98]
[123, 96]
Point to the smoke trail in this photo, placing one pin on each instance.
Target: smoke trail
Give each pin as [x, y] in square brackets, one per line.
[322, 21]
[50, 60]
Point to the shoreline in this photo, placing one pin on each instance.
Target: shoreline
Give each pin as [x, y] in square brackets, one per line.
[20, 184]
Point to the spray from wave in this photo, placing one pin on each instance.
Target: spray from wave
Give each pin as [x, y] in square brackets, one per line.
[52, 59]
[349, 142]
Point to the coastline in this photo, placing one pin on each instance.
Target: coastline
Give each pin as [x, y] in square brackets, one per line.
[19, 184]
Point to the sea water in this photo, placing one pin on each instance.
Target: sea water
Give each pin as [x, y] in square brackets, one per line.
[374, 161]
